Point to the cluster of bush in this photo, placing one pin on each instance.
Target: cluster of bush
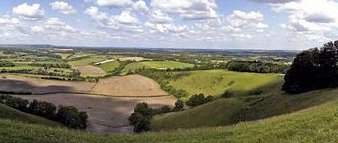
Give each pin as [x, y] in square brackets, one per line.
[142, 115]
[313, 69]
[51, 65]
[4, 63]
[67, 115]
[257, 67]
[198, 99]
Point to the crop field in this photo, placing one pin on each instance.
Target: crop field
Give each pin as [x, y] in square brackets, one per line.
[131, 85]
[109, 66]
[87, 60]
[10, 82]
[106, 114]
[217, 82]
[90, 71]
[155, 65]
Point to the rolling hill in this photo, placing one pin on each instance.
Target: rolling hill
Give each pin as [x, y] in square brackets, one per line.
[315, 124]
[229, 111]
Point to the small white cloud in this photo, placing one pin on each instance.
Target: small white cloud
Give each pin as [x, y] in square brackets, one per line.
[114, 3]
[188, 9]
[126, 17]
[157, 16]
[62, 7]
[140, 6]
[29, 11]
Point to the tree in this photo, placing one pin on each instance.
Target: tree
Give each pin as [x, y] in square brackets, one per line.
[313, 69]
[179, 105]
[143, 109]
[140, 122]
[71, 117]
[198, 99]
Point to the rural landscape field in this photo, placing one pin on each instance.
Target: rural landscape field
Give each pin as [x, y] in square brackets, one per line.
[168, 71]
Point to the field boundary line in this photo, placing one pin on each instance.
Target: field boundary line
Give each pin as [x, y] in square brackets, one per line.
[84, 93]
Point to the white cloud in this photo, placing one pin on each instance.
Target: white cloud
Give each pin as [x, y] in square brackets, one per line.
[188, 9]
[314, 15]
[126, 17]
[114, 3]
[140, 6]
[240, 20]
[62, 7]
[157, 16]
[98, 16]
[29, 11]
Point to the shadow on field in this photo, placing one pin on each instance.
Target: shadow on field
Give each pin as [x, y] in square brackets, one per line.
[107, 115]
[10, 85]
[273, 87]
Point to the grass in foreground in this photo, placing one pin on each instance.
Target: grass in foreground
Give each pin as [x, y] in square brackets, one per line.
[13, 114]
[317, 124]
[217, 82]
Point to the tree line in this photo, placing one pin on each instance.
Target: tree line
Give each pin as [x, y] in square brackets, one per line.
[257, 67]
[67, 115]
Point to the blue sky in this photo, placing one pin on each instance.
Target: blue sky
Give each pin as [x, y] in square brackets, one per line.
[208, 24]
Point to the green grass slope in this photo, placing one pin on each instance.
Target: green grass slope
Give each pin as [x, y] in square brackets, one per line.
[109, 66]
[155, 65]
[216, 82]
[316, 124]
[217, 113]
[229, 111]
[167, 64]
[13, 114]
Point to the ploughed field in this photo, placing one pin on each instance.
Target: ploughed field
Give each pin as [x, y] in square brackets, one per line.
[108, 103]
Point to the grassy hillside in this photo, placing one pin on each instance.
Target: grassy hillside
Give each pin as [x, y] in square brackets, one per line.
[13, 114]
[317, 124]
[217, 113]
[109, 66]
[230, 111]
[217, 82]
[87, 61]
[167, 64]
[155, 65]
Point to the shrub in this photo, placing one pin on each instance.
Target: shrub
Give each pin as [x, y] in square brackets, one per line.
[71, 117]
[179, 105]
[140, 122]
[198, 99]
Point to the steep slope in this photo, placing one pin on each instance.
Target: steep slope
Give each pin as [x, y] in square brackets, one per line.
[233, 110]
[316, 124]
[13, 114]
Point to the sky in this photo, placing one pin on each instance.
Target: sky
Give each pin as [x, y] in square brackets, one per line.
[204, 24]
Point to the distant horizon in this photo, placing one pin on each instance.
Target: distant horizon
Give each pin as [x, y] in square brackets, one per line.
[161, 48]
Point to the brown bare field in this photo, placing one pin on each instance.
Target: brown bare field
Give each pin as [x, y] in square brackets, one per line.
[131, 85]
[107, 115]
[89, 69]
[137, 59]
[41, 86]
